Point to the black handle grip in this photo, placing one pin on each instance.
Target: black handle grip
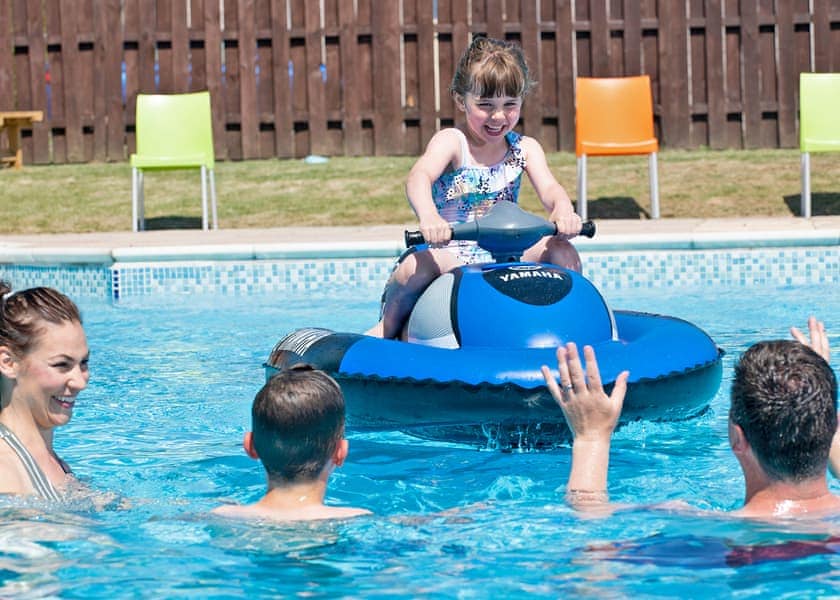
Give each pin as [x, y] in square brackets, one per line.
[414, 238]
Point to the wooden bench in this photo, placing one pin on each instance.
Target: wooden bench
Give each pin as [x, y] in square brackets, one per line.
[12, 121]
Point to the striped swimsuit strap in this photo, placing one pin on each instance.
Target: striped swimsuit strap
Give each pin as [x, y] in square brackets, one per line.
[43, 486]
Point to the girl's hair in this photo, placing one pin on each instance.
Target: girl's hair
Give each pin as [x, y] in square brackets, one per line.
[22, 314]
[490, 68]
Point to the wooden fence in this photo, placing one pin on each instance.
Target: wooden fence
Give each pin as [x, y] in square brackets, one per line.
[362, 77]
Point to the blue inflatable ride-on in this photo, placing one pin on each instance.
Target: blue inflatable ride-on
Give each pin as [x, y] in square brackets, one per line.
[468, 366]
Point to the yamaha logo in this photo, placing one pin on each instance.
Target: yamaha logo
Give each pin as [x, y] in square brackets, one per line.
[531, 284]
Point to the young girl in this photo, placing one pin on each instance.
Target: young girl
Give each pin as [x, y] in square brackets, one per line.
[466, 170]
[43, 367]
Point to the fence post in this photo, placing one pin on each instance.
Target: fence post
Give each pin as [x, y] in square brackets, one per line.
[673, 79]
[387, 123]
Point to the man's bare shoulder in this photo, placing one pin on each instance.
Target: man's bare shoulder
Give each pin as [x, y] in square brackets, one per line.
[308, 513]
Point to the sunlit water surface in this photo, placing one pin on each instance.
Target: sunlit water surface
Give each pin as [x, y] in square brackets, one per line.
[157, 437]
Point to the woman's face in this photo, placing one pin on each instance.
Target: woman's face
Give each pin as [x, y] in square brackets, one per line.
[51, 375]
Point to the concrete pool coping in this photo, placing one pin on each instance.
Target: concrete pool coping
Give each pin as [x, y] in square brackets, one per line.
[386, 240]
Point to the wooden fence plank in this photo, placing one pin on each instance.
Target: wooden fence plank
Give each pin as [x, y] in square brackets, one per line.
[388, 124]
[565, 74]
[213, 43]
[428, 90]
[822, 36]
[74, 87]
[180, 40]
[37, 97]
[493, 19]
[109, 45]
[532, 117]
[7, 47]
[284, 139]
[147, 42]
[600, 58]
[248, 108]
[751, 100]
[673, 83]
[315, 75]
[632, 38]
[716, 101]
[461, 39]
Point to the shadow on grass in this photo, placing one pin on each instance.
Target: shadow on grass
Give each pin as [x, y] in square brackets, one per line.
[822, 204]
[615, 207]
[171, 222]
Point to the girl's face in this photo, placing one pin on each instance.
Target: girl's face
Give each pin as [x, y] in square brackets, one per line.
[490, 118]
[53, 373]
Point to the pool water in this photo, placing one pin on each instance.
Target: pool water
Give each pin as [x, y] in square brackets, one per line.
[157, 437]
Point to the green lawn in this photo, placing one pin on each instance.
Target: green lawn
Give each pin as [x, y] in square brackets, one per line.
[369, 190]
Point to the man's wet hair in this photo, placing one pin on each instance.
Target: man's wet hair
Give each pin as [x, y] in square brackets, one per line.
[784, 398]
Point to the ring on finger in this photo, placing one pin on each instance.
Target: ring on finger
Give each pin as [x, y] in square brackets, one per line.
[567, 387]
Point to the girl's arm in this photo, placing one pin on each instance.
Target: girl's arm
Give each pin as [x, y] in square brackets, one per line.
[441, 150]
[552, 195]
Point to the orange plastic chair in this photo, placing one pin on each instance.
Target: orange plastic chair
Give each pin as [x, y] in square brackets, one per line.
[614, 116]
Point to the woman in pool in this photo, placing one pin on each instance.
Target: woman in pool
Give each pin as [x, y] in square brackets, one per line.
[43, 366]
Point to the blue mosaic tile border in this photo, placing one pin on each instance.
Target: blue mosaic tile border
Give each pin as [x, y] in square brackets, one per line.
[608, 270]
[737, 268]
[246, 278]
[77, 281]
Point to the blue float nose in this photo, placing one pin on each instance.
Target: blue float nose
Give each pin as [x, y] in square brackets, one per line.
[513, 305]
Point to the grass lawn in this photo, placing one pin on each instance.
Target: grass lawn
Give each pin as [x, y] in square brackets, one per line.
[369, 190]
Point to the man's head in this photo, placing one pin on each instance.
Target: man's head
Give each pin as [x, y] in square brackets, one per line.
[784, 399]
[297, 425]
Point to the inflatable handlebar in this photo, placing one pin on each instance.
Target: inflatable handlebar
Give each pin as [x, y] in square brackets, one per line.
[505, 228]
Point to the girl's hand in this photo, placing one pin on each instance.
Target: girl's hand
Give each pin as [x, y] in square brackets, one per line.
[435, 229]
[568, 224]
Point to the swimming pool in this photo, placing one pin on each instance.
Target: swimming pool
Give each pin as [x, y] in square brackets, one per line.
[169, 400]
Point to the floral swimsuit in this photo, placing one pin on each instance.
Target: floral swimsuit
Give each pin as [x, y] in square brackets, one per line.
[463, 194]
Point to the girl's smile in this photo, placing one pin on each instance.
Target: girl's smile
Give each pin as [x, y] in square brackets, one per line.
[491, 117]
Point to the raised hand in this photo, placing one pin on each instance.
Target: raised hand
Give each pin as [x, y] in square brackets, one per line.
[589, 412]
[818, 341]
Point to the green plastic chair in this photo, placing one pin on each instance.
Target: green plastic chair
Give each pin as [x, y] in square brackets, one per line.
[173, 131]
[819, 123]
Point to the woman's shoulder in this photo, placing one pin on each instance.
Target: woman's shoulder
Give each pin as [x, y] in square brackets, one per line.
[13, 480]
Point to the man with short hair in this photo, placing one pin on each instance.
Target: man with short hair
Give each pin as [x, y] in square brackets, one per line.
[783, 417]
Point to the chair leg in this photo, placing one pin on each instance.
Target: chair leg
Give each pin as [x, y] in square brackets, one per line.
[141, 200]
[134, 199]
[204, 197]
[213, 199]
[805, 209]
[581, 187]
[654, 185]
[138, 221]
